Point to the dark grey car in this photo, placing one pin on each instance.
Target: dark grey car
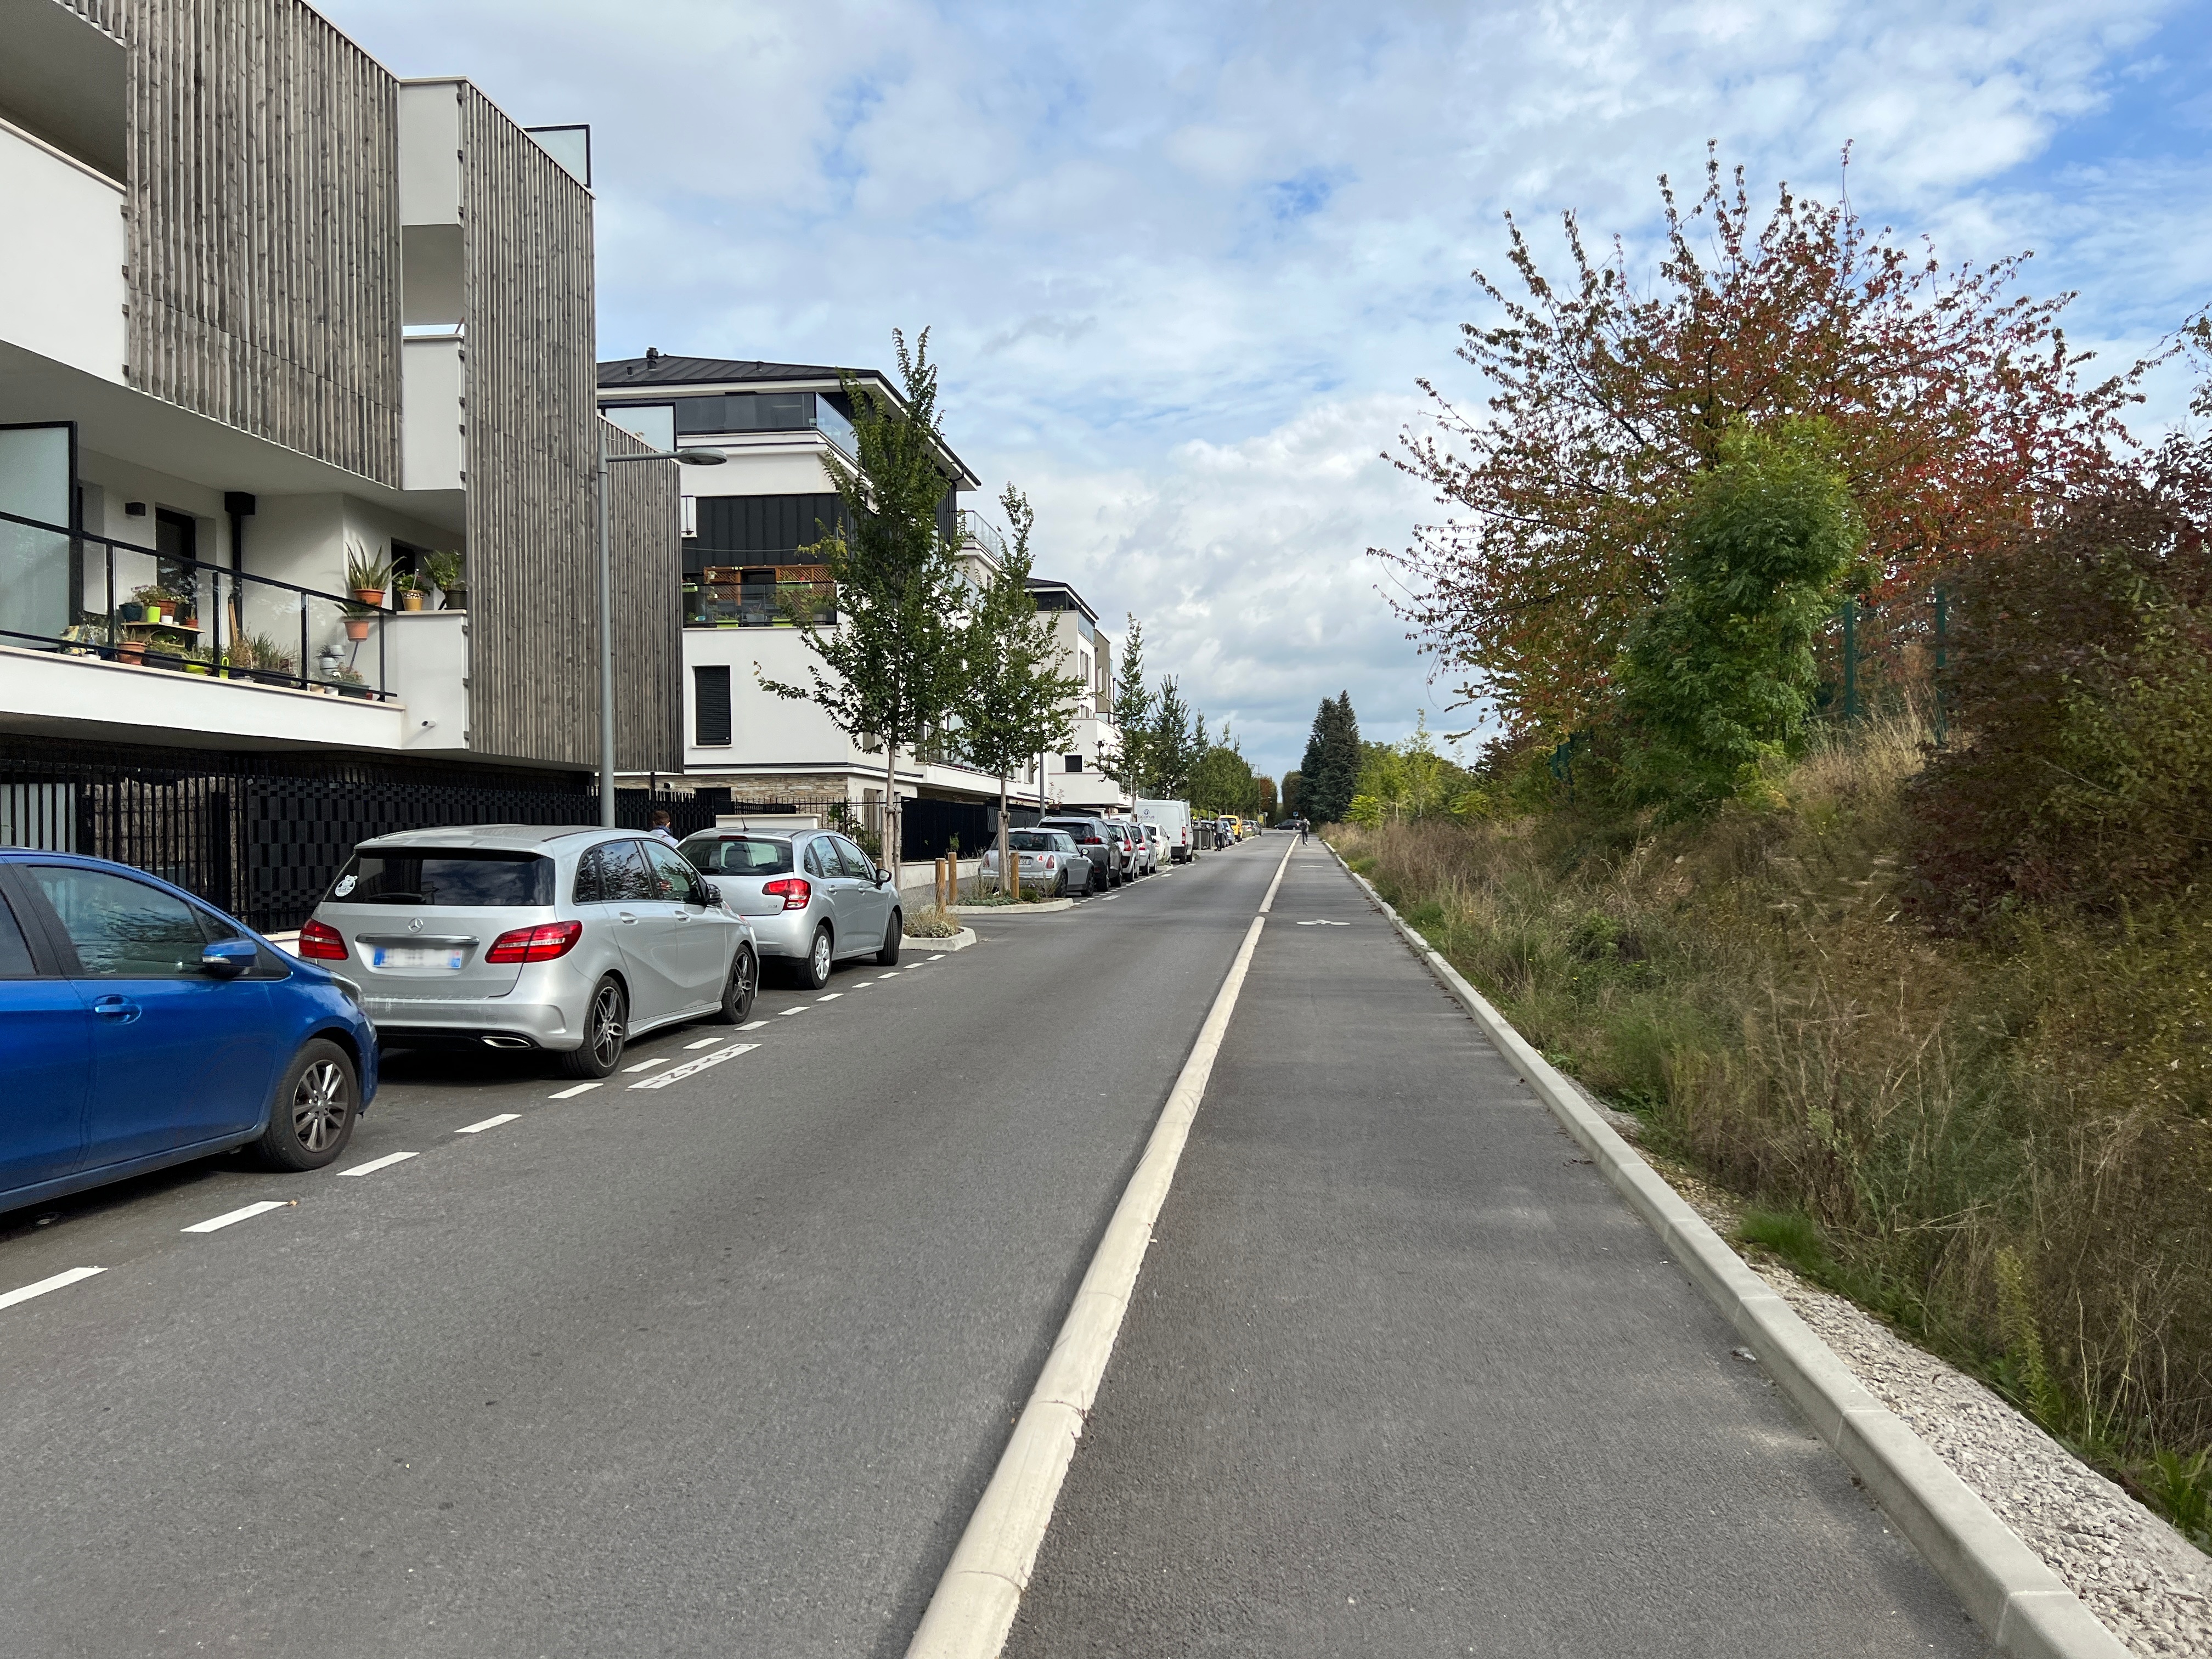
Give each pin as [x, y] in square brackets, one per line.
[1096, 840]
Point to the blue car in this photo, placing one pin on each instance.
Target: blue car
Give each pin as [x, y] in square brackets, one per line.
[140, 1027]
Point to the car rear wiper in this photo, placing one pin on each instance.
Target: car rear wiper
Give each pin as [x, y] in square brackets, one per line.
[393, 898]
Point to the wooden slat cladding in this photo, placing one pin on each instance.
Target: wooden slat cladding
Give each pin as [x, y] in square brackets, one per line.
[265, 223]
[530, 442]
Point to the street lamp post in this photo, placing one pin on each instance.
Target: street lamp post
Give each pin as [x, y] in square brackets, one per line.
[688, 458]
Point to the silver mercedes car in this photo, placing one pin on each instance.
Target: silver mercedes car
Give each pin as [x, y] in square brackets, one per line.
[515, 937]
[812, 897]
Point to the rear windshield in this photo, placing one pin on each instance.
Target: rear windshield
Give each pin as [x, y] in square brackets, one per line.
[478, 879]
[1078, 829]
[738, 855]
[1032, 841]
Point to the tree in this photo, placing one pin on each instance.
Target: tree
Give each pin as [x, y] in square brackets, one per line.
[1174, 745]
[886, 670]
[1132, 766]
[1329, 775]
[1293, 799]
[1222, 782]
[1266, 798]
[1956, 406]
[1013, 702]
[1719, 676]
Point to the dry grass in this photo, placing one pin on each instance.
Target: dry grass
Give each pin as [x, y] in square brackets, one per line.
[930, 922]
[2005, 1147]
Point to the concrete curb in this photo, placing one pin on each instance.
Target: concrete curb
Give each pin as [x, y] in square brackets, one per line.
[974, 1605]
[959, 941]
[1041, 907]
[2010, 1591]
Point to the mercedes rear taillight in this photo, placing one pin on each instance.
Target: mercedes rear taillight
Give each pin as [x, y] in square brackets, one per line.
[539, 944]
[321, 942]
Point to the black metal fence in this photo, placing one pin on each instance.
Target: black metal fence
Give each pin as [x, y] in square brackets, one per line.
[262, 837]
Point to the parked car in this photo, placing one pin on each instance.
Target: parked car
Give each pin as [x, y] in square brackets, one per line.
[511, 936]
[1173, 817]
[1155, 845]
[140, 1027]
[1095, 838]
[1138, 862]
[814, 898]
[1045, 859]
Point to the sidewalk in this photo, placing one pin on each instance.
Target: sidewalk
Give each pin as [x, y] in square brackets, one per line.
[1403, 1377]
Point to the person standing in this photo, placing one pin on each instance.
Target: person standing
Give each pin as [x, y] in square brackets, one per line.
[659, 822]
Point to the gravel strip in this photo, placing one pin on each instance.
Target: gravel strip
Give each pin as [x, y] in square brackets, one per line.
[2151, 1586]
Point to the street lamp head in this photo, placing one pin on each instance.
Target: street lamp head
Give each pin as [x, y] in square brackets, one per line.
[700, 456]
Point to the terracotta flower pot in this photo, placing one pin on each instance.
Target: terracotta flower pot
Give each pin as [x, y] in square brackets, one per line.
[130, 651]
[370, 595]
[357, 628]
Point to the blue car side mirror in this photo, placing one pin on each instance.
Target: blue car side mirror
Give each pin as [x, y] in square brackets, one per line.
[227, 958]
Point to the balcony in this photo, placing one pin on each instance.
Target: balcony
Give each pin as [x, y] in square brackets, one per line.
[762, 596]
[974, 527]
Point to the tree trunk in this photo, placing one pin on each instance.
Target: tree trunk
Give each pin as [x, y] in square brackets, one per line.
[890, 829]
[1010, 878]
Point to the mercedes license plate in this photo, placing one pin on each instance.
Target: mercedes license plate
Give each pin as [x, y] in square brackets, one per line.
[414, 956]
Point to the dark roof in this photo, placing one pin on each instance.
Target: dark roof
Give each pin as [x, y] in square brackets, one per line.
[1042, 584]
[663, 370]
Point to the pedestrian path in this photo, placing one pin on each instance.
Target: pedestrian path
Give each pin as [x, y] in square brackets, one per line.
[1402, 1375]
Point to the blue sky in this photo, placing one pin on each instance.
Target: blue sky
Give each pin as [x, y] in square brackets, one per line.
[1184, 261]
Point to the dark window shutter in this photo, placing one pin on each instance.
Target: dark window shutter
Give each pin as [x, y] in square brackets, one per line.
[1074, 762]
[712, 689]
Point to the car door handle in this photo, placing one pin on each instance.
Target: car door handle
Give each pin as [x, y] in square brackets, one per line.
[627, 917]
[117, 1008]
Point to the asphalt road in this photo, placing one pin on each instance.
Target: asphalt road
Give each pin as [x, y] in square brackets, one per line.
[1403, 1376]
[718, 1368]
[721, 1367]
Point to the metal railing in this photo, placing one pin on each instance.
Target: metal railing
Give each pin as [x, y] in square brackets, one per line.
[134, 605]
[974, 527]
[757, 605]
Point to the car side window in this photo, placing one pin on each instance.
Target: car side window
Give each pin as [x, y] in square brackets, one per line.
[674, 877]
[821, 859]
[590, 877]
[623, 876]
[857, 863]
[121, 928]
[15, 950]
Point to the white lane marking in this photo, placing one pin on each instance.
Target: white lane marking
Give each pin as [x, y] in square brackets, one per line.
[572, 1091]
[970, 1613]
[488, 1123]
[690, 1067]
[891, 973]
[752, 1025]
[1324, 923]
[937, 958]
[1268, 903]
[832, 997]
[218, 1222]
[704, 1042]
[376, 1163]
[647, 1065]
[59, 1281]
[787, 1012]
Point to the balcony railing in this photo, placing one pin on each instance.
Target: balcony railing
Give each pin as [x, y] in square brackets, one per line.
[974, 527]
[78, 594]
[758, 604]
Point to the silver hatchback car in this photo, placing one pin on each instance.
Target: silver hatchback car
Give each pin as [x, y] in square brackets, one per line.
[812, 897]
[515, 937]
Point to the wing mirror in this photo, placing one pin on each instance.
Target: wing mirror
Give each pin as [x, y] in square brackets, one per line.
[881, 875]
[227, 958]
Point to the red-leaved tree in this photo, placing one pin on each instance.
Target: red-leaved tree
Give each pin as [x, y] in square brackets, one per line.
[1956, 404]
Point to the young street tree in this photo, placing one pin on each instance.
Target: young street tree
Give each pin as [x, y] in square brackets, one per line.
[1174, 746]
[1957, 406]
[887, 670]
[1133, 716]
[1014, 702]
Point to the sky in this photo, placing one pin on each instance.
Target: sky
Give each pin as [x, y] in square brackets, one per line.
[1183, 262]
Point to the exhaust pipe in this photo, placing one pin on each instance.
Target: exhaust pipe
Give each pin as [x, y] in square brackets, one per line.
[507, 1043]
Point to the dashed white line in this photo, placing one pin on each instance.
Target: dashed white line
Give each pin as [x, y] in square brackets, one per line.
[376, 1163]
[752, 1025]
[59, 1281]
[572, 1091]
[704, 1042]
[662, 1079]
[937, 958]
[863, 984]
[832, 997]
[488, 1123]
[888, 973]
[216, 1224]
[648, 1065]
[785, 1013]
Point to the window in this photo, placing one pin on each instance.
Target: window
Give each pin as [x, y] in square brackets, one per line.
[831, 422]
[475, 878]
[123, 929]
[177, 539]
[673, 880]
[821, 859]
[15, 952]
[738, 855]
[710, 688]
[654, 422]
[1074, 762]
[746, 411]
[612, 873]
[857, 864]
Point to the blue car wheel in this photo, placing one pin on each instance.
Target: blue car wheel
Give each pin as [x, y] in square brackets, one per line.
[313, 1116]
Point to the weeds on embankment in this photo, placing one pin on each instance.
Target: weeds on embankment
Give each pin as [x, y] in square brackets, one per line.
[2004, 1144]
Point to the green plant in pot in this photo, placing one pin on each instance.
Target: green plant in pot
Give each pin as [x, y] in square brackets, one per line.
[367, 574]
[407, 591]
[350, 683]
[451, 575]
[358, 615]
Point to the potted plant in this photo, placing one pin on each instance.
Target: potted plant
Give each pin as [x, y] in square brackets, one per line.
[367, 576]
[130, 651]
[447, 570]
[407, 589]
[199, 659]
[351, 684]
[358, 611]
[84, 639]
[256, 657]
[145, 603]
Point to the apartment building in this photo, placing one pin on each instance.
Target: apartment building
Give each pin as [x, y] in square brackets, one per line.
[1076, 776]
[283, 340]
[745, 534]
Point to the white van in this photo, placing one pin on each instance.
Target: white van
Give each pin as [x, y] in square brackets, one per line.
[1173, 817]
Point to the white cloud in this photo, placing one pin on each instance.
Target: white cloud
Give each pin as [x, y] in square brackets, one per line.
[1184, 262]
